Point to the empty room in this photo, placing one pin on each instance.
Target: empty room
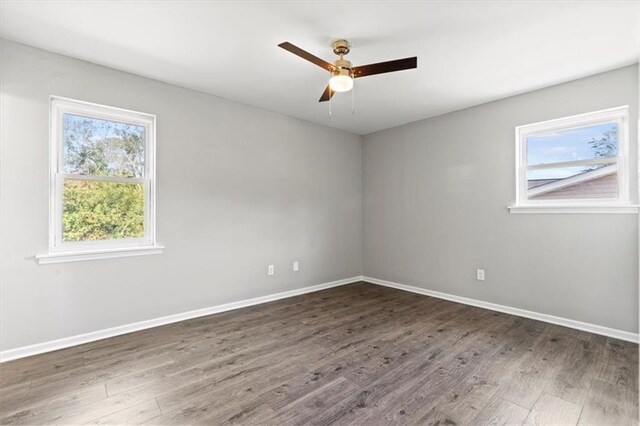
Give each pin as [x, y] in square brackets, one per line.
[315, 213]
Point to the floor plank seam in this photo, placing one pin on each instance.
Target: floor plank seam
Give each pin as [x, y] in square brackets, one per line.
[583, 405]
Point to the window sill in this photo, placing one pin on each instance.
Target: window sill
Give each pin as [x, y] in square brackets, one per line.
[630, 209]
[80, 256]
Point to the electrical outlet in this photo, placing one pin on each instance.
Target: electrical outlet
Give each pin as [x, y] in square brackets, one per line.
[480, 274]
[271, 270]
[296, 266]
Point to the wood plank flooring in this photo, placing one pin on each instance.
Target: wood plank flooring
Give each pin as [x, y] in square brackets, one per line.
[358, 354]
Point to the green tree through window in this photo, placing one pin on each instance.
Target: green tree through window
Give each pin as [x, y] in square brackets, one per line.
[102, 210]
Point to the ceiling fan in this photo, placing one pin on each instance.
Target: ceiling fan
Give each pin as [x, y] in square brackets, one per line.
[342, 72]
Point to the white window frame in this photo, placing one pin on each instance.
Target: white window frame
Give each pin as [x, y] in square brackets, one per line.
[60, 251]
[620, 204]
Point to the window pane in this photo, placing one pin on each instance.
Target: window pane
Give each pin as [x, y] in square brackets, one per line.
[102, 210]
[99, 147]
[583, 143]
[571, 183]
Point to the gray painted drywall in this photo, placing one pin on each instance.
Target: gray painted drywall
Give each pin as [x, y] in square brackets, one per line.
[435, 208]
[238, 188]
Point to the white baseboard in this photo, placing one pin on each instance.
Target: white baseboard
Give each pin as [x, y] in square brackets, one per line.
[66, 342]
[584, 326]
[80, 339]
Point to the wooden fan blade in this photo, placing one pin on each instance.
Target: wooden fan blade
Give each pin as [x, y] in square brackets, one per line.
[327, 94]
[306, 55]
[383, 67]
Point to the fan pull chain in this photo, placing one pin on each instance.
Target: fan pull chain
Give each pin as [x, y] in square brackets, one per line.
[330, 98]
[353, 98]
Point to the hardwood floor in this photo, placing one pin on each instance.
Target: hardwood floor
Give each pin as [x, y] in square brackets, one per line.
[357, 354]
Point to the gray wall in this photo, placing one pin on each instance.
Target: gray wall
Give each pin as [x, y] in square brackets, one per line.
[435, 208]
[238, 188]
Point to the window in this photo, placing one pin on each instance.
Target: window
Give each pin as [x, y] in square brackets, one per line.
[574, 162]
[102, 188]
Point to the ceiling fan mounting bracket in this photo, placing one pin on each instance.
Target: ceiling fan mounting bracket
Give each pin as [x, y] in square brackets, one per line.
[341, 47]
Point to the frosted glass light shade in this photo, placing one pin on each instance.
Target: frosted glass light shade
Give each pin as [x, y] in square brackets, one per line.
[341, 83]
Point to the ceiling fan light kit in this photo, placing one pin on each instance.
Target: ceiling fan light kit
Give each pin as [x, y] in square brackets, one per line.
[341, 81]
[343, 72]
[342, 77]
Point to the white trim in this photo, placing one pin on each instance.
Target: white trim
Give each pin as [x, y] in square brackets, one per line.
[620, 115]
[80, 256]
[80, 339]
[92, 178]
[93, 108]
[589, 209]
[591, 162]
[147, 243]
[565, 322]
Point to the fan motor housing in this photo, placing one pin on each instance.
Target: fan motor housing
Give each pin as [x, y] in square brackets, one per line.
[342, 63]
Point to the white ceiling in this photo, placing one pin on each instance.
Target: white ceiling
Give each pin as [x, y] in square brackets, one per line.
[468, 52]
